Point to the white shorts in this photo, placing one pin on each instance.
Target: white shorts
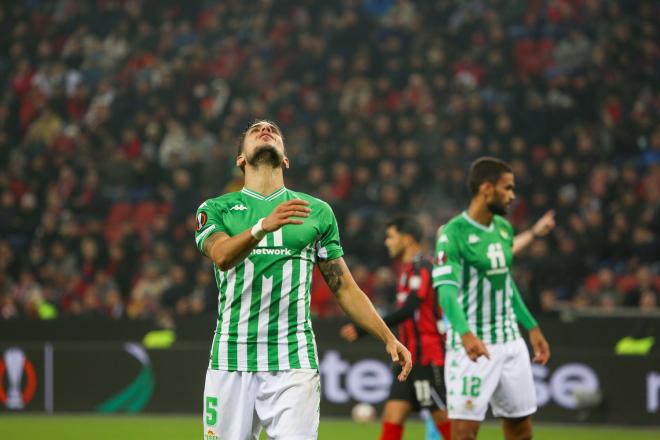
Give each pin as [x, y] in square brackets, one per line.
[505, 381]
[238, 404]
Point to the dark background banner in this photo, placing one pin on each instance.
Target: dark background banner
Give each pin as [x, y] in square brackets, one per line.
[116, 373]
[584, 332]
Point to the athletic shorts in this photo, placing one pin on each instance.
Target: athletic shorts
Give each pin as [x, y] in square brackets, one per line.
[238, 404]
[505, 381]
[424, 388]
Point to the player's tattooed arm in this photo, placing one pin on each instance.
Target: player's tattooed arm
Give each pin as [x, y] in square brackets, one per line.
[210, 241]
[332, 272]
[358, 307]
[225, 251]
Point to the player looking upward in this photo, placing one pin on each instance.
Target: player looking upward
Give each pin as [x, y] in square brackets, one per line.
[486, 359]
[418, 317]
[264, 242]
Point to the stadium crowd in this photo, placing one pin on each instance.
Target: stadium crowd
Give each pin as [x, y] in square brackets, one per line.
[117, 118]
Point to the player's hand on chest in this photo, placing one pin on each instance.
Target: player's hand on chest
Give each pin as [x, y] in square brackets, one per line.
[241, 216]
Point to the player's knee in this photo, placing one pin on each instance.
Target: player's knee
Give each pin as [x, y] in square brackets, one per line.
[395, 417]
[440, 416]
[518, 429]
[463, 432]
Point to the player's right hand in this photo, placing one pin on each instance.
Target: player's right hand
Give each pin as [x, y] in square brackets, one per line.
[282, 215]
[545, 224]
[349, 333]
[474, 347]
[400, 355]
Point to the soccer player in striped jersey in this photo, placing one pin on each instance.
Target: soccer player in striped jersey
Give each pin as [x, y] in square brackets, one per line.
[264, 242]
[486, 359]
[419, 320]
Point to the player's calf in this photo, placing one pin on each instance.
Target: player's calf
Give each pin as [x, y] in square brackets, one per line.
[518, 428]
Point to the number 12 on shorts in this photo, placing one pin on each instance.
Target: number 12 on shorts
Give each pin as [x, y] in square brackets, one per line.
[471, 386]
[210, 409]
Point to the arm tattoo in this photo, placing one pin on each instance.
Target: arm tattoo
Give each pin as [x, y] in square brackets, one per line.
[210, 241]
[332, 273]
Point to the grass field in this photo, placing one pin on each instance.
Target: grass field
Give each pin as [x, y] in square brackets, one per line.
[22, 427]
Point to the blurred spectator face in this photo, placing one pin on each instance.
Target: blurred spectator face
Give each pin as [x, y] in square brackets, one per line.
[316, 175]
[569, 168]
[648, 301]
[182, 179]
[503, 124]
[473, 145]
[567, 246]
[605, 279]
[196, 305]
[607, 303]
[518, 146]
[116, 252]
[263, 144]
[354, 223]
[539, 249]
[390, 196]
[450, 148]
[548, 300]
[7, 199]
[6, 255]
[386, 170]
[113, 298]
[161, 251]
[151, 272]
[362, 176]
[178, 275]
[203, 277]
[550, 169]
[644, 277]
[89, 249]
[58, 251]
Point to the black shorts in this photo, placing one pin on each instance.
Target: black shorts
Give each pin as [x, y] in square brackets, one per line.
[424, 388]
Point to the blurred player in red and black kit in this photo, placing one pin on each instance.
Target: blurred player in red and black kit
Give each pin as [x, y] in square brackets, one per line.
[419, 318]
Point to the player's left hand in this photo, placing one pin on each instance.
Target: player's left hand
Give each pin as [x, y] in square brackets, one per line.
[539, 345]
[544, 225]
[349, 333]
[400, 355]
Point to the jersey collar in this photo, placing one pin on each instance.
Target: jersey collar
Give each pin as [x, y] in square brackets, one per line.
[258, 196]
[476, 224]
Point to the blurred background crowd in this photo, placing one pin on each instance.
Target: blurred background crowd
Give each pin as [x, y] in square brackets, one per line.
[118, 118]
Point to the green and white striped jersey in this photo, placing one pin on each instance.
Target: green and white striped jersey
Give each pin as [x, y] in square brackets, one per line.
[263, 306]
[477, 259]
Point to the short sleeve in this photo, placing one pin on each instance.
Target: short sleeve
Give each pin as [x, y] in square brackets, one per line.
[328, 246]
[446, 263]
[208, 220]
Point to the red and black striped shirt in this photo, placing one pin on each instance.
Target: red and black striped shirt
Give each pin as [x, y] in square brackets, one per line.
[420, 333]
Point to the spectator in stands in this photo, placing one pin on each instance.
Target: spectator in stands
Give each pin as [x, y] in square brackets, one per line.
[385, 103]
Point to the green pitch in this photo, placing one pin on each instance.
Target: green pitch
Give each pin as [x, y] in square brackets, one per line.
[26, 427]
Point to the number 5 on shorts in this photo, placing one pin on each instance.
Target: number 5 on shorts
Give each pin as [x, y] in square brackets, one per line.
[211, 413]
[473, 383]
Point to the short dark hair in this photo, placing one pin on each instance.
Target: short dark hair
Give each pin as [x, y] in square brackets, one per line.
[407, 224]
[486, 169]
[241, 138]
